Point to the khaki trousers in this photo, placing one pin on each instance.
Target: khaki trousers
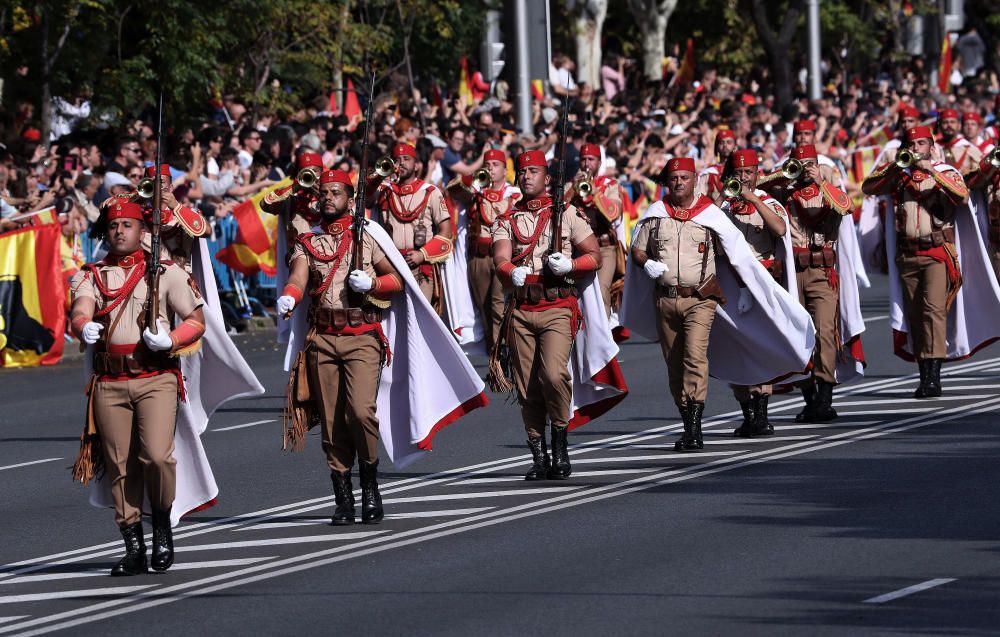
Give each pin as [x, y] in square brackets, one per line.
[540, 344]
[344, 373]
[683, 326]
[742, 393]
[925, 296]
[823, 303]
[136, 421]
[487, 294]
[606, 275]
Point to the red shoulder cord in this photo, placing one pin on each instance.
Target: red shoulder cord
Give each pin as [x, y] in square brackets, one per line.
[333, 259]
[396, 201]
[530, 242]
[122, 293]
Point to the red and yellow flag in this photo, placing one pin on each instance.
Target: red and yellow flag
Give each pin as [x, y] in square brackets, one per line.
[685, 74]
[254, 249]
[464, 88]
[352, 109]
[32, 297]
[944, 67]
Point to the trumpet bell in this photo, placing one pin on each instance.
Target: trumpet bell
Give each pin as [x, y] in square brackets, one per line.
[792, 169]
[584, 188]
[994, 157]
[385, 166]
[146, 187]
[905, 158]
[733, 187]
[481, 179]
[307, 178]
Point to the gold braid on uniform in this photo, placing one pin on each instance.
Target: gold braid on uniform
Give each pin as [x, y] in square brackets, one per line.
[90, 460]
[954, 186]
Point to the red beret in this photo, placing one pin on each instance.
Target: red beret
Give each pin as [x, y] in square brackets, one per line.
[335, 177]
[308, 160]
[743, 158]
[495, 155]
[590, 150]
[972, 116]
[919, 132]
[803, 125]
[164, 170]
[725, 133]
[947, 113]
[808, 151]
[905, 110]
[125, 210]
[404, 150]
[32, 134]
[680, 164]
[531, 158]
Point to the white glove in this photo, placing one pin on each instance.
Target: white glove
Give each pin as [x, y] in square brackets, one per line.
[91, 332]
[519, 275]
[360, 281]
[560, 264]
[159, 342]
[654, 269]
[745, 302]
[284, 305]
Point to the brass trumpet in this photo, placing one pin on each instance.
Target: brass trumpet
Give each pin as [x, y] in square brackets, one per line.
[733, 187]
[906, 158]
[994, 157]
[792, 169]
[584, 187]
[146, 187]
[481, 179]
[385, 166]
[307, 178]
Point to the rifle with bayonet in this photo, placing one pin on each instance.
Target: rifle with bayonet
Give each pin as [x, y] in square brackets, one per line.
[559, 185]
[153, 271]
[357, 255]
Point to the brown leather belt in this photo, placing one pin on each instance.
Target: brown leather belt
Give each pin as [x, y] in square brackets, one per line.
[676, 291]
[607, 240]
[806, 258]
[933, 240]
[536, 293]
[328, 318]
[481, 247]
[141, 362]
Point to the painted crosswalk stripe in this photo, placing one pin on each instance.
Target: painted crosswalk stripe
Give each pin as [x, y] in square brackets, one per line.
[878, 412]
[249, 424]
[26, 464]
[471, 481]
[89, 592]
[278, 541]
[103, 571]
[610, 472]
[837, 424]
[881, 401]
[436, 514]
[909, 590]
[477, 494]
[660, 457]
[947, 388]
[11, 618]
[727, 438]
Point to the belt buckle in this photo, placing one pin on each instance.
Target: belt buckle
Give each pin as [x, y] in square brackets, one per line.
[671, 291]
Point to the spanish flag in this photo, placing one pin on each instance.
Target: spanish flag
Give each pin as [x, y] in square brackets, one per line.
[685, 74]
[944, 66]
[464, 87]
[255, 247]
[32, 297]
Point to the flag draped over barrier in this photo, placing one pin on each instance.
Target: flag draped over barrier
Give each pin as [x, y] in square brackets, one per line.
[254, 249]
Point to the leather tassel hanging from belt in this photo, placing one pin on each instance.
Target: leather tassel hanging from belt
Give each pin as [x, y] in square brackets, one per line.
[90, 461]
[298, 415]
[498, 378]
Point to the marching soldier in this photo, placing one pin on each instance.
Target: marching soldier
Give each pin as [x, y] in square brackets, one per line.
[815, 209]
[416, 215]
[710, 178]
[545, 315]
[297, 205]
[925, 195]
[602, 205]
[485, 205]
[957, 151]
[988, 179]
[133, 393]
[346, 348]
[761, 220]
[804, 134]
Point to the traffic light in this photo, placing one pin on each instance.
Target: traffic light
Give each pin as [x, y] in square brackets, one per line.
[491, 60]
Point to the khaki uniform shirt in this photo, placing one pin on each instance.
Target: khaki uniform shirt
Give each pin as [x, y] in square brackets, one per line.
[922, 207]
[520, 225]
[963, 155]
[336, 295]
[406, 200]
[812, 221]
[685, 247]
[751, 224]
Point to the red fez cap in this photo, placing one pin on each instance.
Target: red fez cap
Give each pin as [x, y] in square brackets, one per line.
[743, 158]
[919, 132]
[808, 151]
[725, 133]
[404, 150]
[531, 158]
[905, 110]
[972, 116]
[335, 177]
[125, 210]
[590, 150]
[947, 113]
[164, 170]
[32, 134]
[680, 164]
[495, 155]
[309, 160]
[804, 124]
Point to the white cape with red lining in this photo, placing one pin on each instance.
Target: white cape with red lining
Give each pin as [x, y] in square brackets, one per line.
[771, 341]
[972, 320]
[430, 382]
[214, 375]
[464, 317]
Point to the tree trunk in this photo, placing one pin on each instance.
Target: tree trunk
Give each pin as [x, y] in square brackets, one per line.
[588, 26]
[652, 17]
[776, 46]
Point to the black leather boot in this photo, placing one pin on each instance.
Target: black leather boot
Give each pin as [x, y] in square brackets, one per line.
[163, 541]
[134, 562]
[540, 456]
[809, 395]
[761, 425]
[561, 468]
[921, 391]
[745, 430]
[691, 439]
[343, 494]
[371, 499]
[933, 386]
[823, 408]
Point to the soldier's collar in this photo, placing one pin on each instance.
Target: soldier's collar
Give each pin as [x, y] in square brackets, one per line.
[807, 192]
[410, 188]
[536, 204]
[337, 225]
[126, 260]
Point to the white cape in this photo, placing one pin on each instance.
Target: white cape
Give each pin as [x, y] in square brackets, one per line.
[430, 383]
[464, 317]
[771, 341]
[214, 375]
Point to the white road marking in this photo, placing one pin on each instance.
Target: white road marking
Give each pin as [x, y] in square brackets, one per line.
[325, 557]
[278, 541]
[727, 438]
[477, 494]
[880, 317]
[610, 472]
[909, 590]
[249, 424]
[664, 458]
[25, 464]
[471, 481]
[875, 412]
[190, 566]
[436, 514]
[955, 372]
[4, 620]
[836, 424]
[928, 401]
[291, 524]
[90, 592]
[103, 571]
[947, 388]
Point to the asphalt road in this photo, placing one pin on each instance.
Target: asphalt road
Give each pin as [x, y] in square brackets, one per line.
[882, 522]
